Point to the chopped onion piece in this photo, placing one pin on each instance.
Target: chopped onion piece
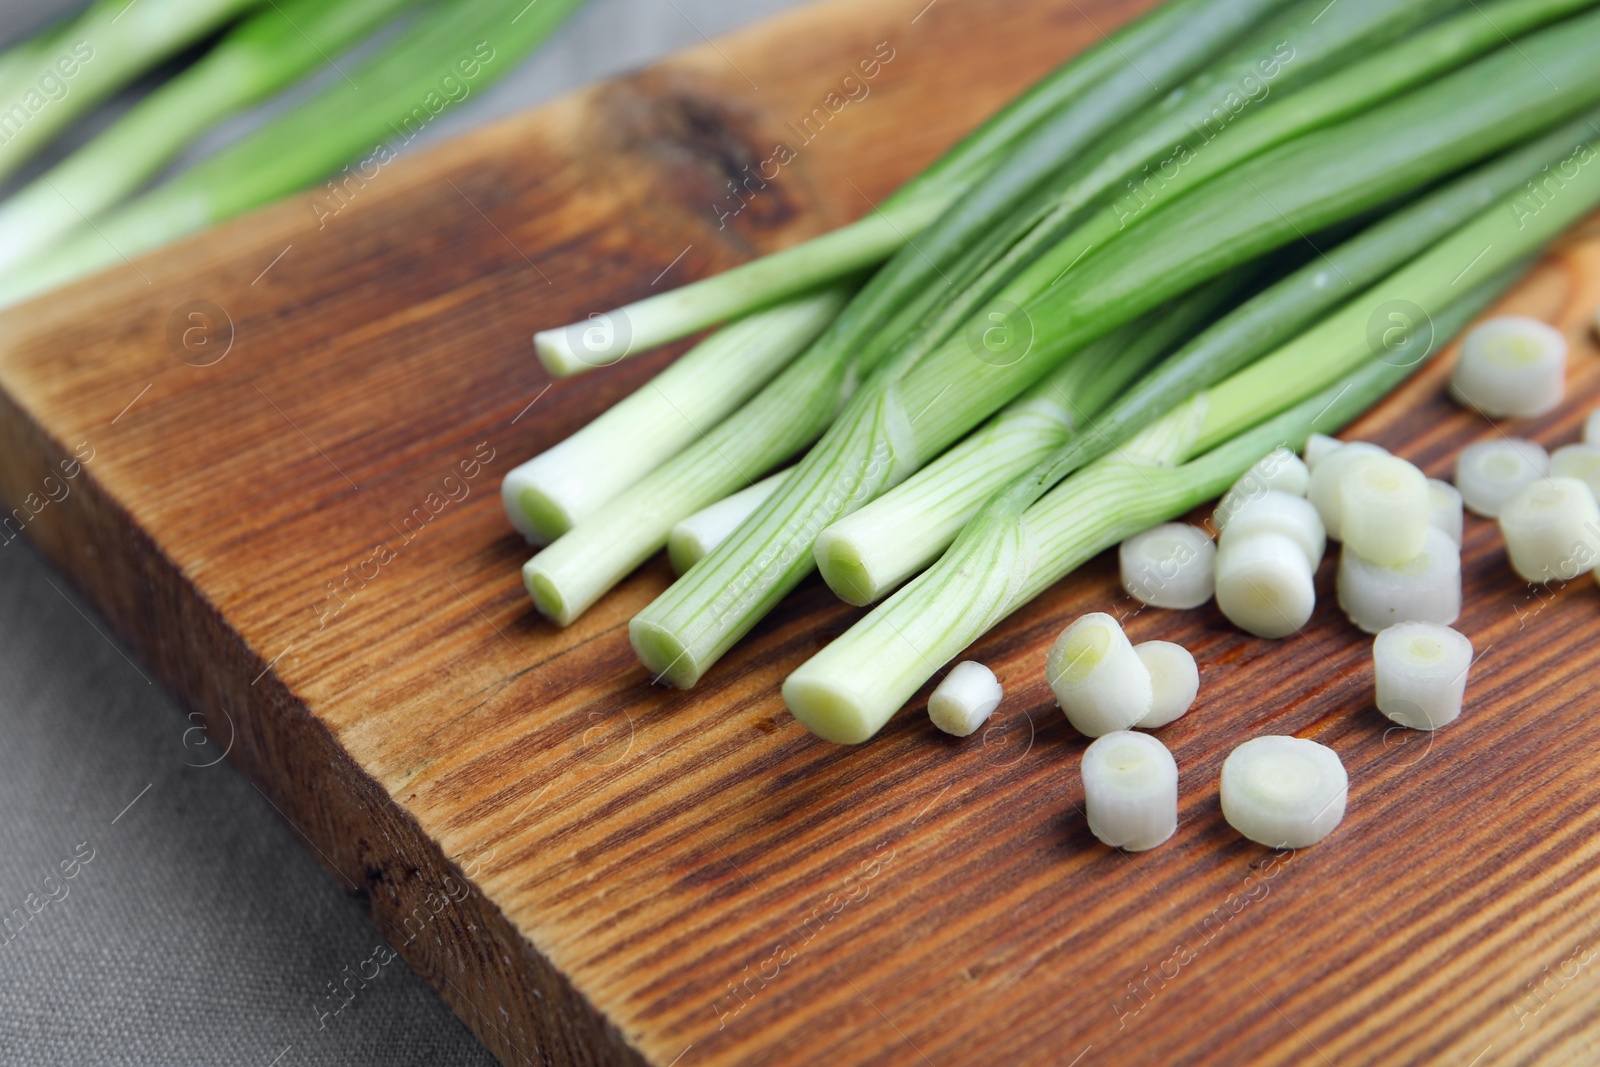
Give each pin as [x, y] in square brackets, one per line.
[1130, 790]
[1169, 566]
[1421, 672]
[1319, 445]
[1591, 427]
[1098, 677]
[1284, 792]
[1323, 492]
[1578, 461]
[1552, 530]
[1383, 508]
[1174, 681]
[1511, 367]
[1278, 471]
[1292, 516]
[1264, 584]
[965, 699]
[1490, 472]
[1426, 588]
[1444, 508]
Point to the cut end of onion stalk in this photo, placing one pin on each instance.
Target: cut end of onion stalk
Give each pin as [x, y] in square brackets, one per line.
[847, 574]
[1264, 584]
[1130, 790]
[1490, 472]
[663, 655]
[1552, 530]
[829, 710]
[1511, 367]
[1421, 673]
[965, 699]
[1174, 682]
[1426, 588]
[1098, 678]
[533, 510]
[1169, 566]
[1284, 792]
[1383, 508]
[597, 347]
[547, 595]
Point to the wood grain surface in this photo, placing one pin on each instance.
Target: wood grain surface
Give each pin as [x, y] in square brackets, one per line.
[303, 539]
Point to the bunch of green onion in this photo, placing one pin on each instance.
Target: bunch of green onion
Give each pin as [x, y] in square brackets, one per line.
[1096, 312]
[96, 207]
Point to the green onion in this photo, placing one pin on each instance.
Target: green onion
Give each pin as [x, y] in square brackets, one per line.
[550, 493]
[1130, 790]
[274, 47]
[967, 191]
[849, 690]
[1489, 473]
[1552, 530]
[1176, 142]
[465, 43]
[1425, 588]
[885, 433]
[1420, 673]
[1005, 557]
[1098, 679]
[1511, 367]
[75, 68]
[1002, 559]
[566, 578]
[868, 552]
[965, 699]
[1284, 792]
[1174, 682]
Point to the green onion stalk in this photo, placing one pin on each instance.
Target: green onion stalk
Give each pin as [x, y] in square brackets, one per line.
[868, 553]
[1110, 500]
[556, 576]
[1034, 531]
[911, 412]
[570, 575]
[1223, 115]
[796, 406]
[561, 486]
[920, 517]
[977, 182]
[269, 50]
[72, 69]
[465, 43]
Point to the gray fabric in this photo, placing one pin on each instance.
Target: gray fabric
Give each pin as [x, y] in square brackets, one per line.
[179, 920]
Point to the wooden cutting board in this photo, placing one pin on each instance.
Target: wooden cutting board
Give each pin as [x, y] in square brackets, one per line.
[270, 458]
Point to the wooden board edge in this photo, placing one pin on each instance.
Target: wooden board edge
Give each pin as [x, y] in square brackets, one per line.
[424, 903]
